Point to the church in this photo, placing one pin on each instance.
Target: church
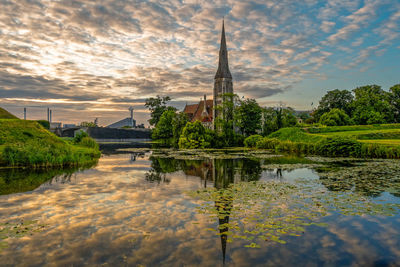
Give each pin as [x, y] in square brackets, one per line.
[204, 111]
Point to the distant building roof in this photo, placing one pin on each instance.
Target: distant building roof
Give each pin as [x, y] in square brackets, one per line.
[122, 123]
[196, 112]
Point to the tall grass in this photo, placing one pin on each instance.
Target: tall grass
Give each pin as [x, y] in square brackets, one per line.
[26, 143]
[295, 134]
[329, 129]
[333, 147]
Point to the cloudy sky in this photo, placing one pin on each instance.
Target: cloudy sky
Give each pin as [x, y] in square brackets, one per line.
[87, 59]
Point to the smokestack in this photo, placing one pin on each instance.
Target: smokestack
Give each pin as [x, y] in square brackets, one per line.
[131, 110]
[50, 115]
[24, 113]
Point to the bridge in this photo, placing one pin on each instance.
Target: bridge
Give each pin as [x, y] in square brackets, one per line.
[103, 134]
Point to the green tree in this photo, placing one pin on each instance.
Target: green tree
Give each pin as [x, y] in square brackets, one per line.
[88, 124]
[334, 99]
[164, 129]
[224, 122]
[157, 106]
[194, 135]
[248, 117]
[335, 117]
[178, 124]
[395, 101]
[274, 119]
[372, 105]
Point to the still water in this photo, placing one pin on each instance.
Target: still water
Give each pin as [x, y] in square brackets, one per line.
[142, 209]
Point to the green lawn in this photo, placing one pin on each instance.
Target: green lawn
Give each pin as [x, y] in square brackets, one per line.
[366, 134]
[382, 141]
[4, 114]
[388, 134]
[27, 143]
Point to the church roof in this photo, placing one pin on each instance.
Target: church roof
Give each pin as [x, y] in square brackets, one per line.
[190, 109]
[223, 67]
[195, 111]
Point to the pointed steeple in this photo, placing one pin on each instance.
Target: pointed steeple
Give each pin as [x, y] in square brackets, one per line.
[223, 67]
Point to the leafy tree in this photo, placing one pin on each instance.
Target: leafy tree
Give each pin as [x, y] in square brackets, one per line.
[335, 117]
[178, 123]
[88, 124]
[224, 122]
[288, 117]
[248, 117]
[395, 101]
[164, 129]
[270, 124]
[274, 119]
[334, 99]
[157, 106]
[372, 105]
[194, 135]
[169, 127]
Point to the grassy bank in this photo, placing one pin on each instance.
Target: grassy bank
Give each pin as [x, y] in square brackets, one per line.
[4, 114]
[379, 141]
[27, 143]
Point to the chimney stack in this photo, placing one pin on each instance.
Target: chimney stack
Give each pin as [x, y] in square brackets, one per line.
[205, 113]
[50, 115]
[24, 113]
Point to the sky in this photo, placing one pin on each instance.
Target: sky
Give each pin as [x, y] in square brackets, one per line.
[86, 59]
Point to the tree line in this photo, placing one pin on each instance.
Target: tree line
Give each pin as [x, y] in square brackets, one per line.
[241, 118]
[363, 105]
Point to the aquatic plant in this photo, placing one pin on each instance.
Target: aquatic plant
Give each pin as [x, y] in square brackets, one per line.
[269, 211]
[11, 230]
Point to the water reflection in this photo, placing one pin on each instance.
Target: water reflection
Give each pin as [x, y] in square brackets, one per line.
[219, 173]
[16, 180]
[120, 212]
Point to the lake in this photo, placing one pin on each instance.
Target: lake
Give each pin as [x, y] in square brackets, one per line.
[167, 208]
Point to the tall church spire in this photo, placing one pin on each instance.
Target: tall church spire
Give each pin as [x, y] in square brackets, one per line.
[223, 78]
[223, 67]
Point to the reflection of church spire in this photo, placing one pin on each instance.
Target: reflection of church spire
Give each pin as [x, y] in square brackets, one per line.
[224, 208]
[223, 172]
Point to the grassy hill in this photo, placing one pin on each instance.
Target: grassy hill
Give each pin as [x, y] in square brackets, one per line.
[4, 114]
[387, 134]
[27, 143]
[365, 141]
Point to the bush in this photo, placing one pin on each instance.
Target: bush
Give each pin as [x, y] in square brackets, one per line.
[267, 143]
[252, 140]
[339, 146]
[79, 136]
[89, 142]
[194, 135]
[335, 117]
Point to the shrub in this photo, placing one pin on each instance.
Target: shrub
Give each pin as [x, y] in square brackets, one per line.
[267, 143]
[79, 136]
[252, 140]
[335, 117]
[89, 142]
[339, 146]
[194, 135]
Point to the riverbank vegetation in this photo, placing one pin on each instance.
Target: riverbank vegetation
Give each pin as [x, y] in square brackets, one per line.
[345, 123]
[27, 143]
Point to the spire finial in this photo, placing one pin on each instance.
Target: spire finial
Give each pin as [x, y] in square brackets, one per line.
[223, 68]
